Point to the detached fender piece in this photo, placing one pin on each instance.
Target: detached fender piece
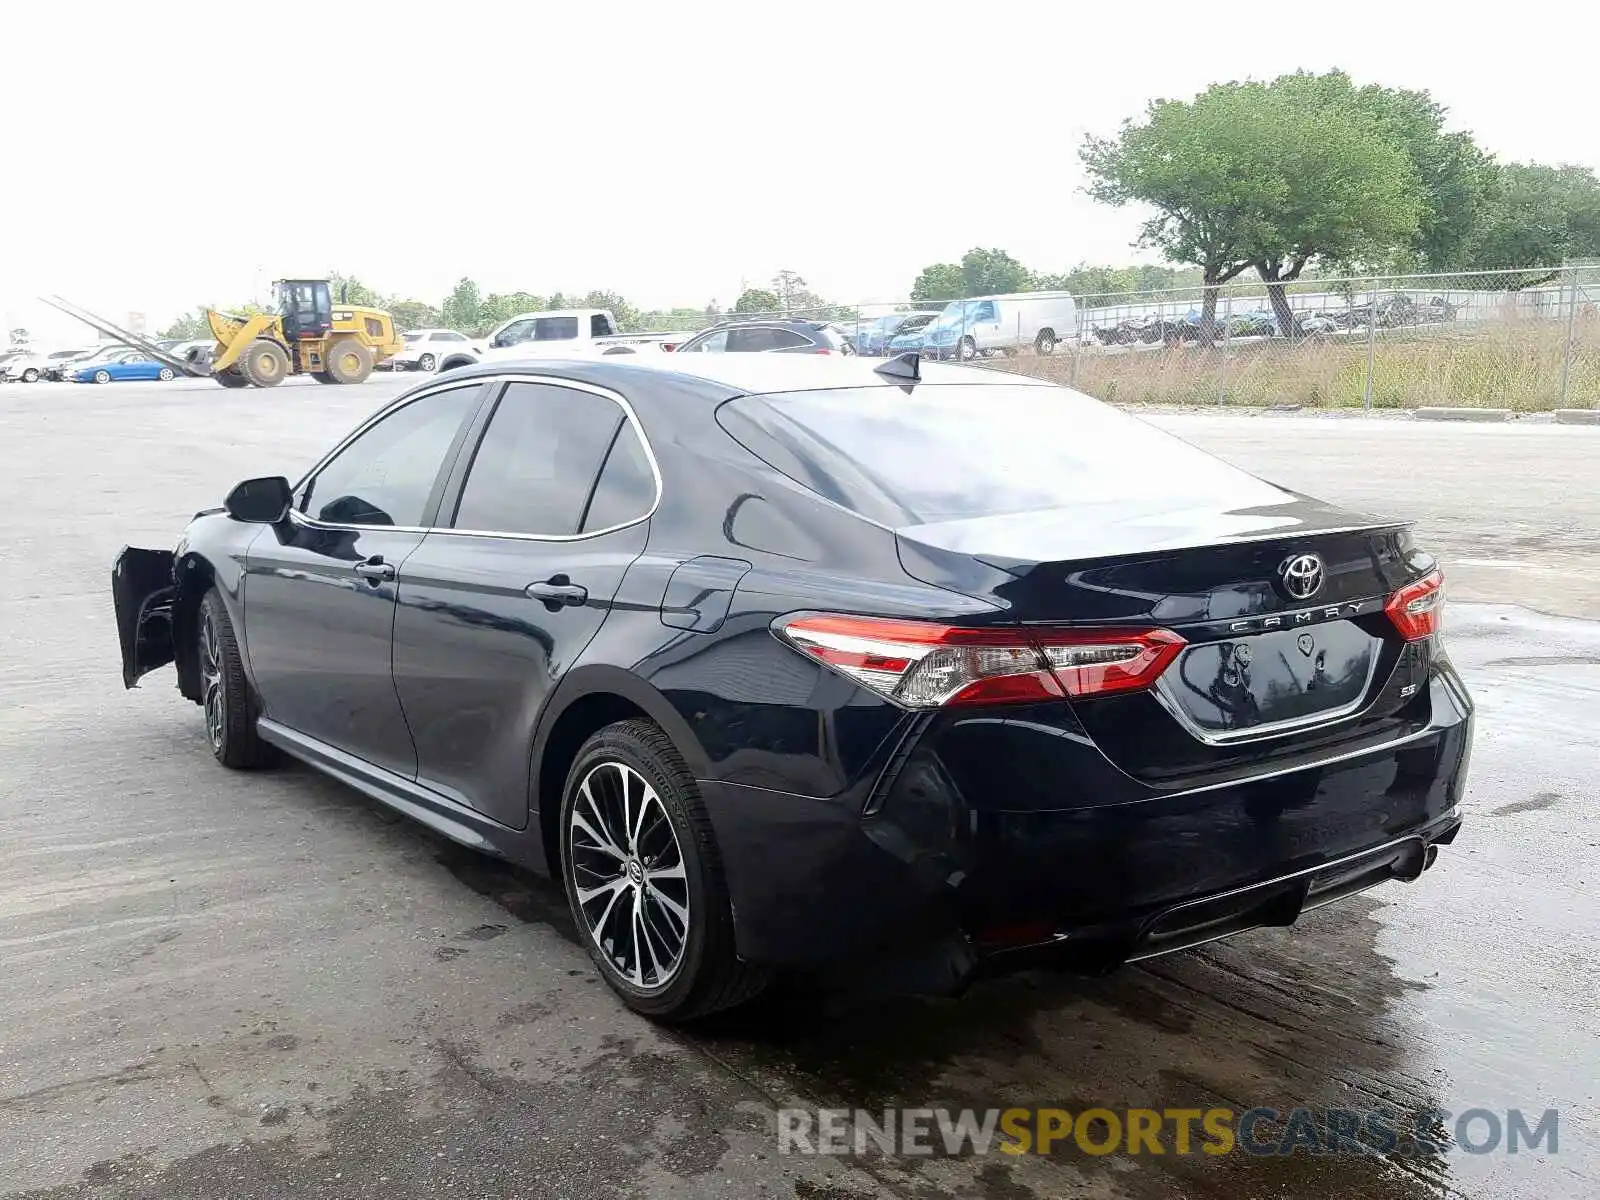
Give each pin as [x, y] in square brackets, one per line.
[143, 590]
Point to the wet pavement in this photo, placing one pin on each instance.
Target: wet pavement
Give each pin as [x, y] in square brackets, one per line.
[216, 984]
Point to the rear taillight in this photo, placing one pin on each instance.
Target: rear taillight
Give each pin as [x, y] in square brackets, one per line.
[822, 350]
[1417, 609]
[922, 664]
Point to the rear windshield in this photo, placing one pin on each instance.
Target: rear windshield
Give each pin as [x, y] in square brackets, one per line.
[956, 452]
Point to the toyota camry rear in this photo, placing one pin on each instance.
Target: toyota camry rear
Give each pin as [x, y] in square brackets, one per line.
[1141, 699]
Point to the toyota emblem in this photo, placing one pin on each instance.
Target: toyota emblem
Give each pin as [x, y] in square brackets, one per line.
[1301, 576]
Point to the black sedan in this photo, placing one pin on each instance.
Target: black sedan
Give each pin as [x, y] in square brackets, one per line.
[777, 661]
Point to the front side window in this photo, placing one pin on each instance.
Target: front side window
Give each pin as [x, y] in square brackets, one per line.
[386, 476]
[712, 343]
[517, 331]
[535, 469]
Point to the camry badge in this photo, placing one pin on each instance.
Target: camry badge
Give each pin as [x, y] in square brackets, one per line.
[1301, 576]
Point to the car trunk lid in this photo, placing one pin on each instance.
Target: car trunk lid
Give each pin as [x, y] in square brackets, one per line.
[1281, 606]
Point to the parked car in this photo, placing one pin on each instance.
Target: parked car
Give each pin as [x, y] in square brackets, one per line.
[129, 365]
[789, 336]
[985, 325]
[875, 335]
[63, 368]
[21, 363]
[1254, 323]
[565, 333]
[796, 661]
[425, 349]
[911, 336]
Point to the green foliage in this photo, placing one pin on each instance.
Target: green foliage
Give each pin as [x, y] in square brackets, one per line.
[412, 314]
[188, 327]
[1090, 281]
[462, 307]
[757, 300]
[1539, 217]
[1268, 174]
[938, 283]
[347, 289]
[687, 319]
[993, 272]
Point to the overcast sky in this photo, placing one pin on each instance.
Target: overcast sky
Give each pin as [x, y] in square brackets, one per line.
[162, 155]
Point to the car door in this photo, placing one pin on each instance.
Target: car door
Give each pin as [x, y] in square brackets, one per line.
[543, 518]
[985, 330]
[319, 594]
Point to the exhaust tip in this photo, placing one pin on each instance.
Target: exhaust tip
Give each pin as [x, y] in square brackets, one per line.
[1410, 863]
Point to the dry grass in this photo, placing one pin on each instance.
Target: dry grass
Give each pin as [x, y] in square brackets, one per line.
[1511, 365]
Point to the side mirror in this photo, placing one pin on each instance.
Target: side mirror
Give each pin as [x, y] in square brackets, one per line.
[260, 501]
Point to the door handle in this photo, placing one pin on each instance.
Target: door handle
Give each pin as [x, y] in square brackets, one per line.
[557, 591]
[374, 569]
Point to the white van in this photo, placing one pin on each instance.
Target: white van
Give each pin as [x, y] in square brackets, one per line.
[986, 324]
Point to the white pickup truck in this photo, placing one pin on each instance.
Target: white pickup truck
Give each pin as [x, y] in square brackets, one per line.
[562, 333]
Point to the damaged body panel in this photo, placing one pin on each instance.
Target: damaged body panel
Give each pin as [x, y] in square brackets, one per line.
[144, 589]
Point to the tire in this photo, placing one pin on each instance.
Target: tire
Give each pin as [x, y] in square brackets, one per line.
[264, 363]
[633, 766]
[1045, 343]
[231, 379]
[31, 375]
[225, 697]
[427, 363]
[966, 349]
[165, 375]
[323, 377]
[348, 361]
[102, 376]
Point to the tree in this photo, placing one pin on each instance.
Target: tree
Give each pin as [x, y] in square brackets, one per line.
[461, 307]
[346, 289]
[938, 283]
[757, 300]
[993, 272]
[790, 290]
[981, 272]
[412, 314]
[1343, 188]
[496, 308]
[188, 327]
[626, 314]
[1091, 281]
[1271, 175]
[1540, 216]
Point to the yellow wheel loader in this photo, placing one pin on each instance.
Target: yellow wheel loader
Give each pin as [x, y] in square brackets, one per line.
[308, 335]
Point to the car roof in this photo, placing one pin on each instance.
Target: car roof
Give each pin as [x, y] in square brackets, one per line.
[728, 375]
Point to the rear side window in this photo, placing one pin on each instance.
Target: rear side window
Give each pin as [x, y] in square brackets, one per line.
[762, 338]
[627, 487]
[555, 329]
[536, 466]
[962, 451]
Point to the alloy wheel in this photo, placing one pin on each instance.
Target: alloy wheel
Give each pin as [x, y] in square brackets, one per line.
[628, 875]
[213, 691]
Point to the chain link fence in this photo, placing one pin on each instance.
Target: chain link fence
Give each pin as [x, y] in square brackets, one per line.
[1527, 340]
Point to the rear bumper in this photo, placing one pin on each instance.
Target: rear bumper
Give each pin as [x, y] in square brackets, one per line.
[942, 884]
